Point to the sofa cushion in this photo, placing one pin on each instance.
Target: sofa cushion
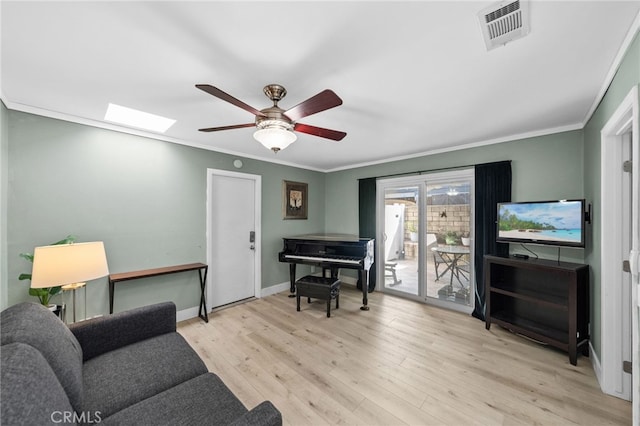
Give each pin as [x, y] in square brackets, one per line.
[29, 389]
[125, 376]
[36, 326]
[201, 400]
[103, 334]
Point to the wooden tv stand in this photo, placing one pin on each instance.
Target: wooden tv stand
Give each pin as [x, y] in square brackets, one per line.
[545, 300]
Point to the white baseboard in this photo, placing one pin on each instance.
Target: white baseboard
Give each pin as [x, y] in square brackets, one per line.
[275, 289]
[186, 314]
[595, 363]
[286, 286]
[189, 313]
[352, 281]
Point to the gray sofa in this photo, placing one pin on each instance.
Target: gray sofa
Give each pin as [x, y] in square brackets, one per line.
[127, 368]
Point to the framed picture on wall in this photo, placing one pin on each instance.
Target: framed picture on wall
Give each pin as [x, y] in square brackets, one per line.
[294, 200]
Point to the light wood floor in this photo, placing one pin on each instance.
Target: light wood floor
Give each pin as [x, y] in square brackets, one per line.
[402, 362]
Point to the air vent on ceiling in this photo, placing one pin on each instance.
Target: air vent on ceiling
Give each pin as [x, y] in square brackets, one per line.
[504, 22]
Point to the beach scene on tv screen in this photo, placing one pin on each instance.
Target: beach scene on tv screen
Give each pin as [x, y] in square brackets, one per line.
[541, 221]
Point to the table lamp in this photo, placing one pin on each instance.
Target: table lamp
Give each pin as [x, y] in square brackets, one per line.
[69, 265]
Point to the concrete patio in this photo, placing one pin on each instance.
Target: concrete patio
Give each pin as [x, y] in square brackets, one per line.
[406, 271]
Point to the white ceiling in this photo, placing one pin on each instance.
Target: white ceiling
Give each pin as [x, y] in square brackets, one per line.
[415, 77]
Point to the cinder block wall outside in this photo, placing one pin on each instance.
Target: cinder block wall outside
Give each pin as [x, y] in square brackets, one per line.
[440, 219]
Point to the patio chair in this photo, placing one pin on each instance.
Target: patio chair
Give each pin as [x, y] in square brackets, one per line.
[390, 272]
[463, 269]
[437, 258]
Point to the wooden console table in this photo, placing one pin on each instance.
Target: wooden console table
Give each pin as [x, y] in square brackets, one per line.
[146, 273]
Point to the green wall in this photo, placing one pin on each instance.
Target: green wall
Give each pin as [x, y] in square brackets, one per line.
[626, 78]
[4, 174]
[146, 199]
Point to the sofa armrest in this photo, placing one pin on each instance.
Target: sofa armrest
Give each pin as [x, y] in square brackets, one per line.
[264, 414]
[105, 334]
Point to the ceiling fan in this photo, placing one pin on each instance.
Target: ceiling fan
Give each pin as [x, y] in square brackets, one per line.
[275, 126]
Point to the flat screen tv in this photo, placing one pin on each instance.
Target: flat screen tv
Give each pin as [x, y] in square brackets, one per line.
[555, 223]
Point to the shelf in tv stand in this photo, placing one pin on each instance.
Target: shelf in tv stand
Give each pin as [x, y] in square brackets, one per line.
[532, 329]
[548, 300]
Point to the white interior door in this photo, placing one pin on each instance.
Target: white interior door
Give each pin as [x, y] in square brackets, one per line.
[233, 237]
[634, 257]
[626, 247]
[619, 242]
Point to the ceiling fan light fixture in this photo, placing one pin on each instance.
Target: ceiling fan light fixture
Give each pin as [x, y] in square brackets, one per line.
[275, 126]
[275, 135]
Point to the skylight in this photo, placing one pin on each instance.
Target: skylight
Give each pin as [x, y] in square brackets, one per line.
[135, 118]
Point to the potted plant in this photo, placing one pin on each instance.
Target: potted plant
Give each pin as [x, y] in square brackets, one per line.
[465, 239]
[451, 238]
[413, 231]
[44, 294]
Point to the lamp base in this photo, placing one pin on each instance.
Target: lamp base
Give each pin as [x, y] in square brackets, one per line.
[73, 287]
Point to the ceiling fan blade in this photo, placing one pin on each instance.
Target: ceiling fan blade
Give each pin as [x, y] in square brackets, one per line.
[214, 91]
[319, 131]
[322, 101]
[235, 126]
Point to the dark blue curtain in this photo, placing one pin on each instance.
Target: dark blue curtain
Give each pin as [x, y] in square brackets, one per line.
[492, 186]
[367, 219]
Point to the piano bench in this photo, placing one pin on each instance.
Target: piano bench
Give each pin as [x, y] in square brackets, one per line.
[319, 288]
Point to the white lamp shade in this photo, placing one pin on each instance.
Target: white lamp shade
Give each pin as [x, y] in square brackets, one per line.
[275, 137]
[68, 264]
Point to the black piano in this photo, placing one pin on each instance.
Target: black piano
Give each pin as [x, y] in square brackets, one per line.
[332, 252]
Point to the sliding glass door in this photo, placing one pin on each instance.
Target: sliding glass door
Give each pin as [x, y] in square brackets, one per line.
[425, 229]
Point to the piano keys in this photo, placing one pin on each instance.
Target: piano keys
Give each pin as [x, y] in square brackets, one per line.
[330, 251]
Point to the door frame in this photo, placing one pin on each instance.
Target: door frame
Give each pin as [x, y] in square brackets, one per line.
[612, 380]
[257, 196]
